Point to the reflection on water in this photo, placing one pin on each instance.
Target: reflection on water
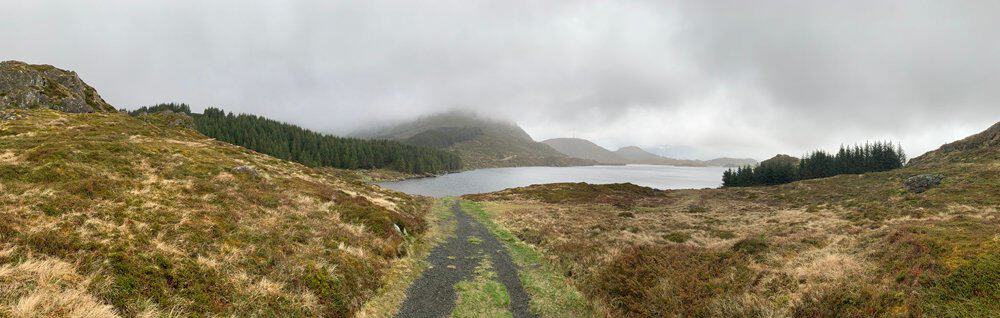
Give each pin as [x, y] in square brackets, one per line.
[489, 180]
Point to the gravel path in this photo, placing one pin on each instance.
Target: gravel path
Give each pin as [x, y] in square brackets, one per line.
[433, 294]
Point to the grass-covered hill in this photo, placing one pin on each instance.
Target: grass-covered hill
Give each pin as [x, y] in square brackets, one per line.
[854, 245]
[479, 142]
[109, 215]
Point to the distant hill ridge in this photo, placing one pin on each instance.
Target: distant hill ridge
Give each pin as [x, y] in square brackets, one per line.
[582, 148]
[479, 141]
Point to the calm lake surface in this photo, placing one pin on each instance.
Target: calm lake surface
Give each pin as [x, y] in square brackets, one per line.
[494, 179]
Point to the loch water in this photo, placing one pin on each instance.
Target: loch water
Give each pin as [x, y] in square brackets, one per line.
[494, 179]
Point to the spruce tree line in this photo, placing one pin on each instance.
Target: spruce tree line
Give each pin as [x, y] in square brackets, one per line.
[870, 157]
[310, 148]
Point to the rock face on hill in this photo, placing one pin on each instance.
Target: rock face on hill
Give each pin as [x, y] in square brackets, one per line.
[25, 85]
[920, 183]
[479, 141]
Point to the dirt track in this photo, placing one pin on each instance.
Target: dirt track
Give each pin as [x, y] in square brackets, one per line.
[433, 294]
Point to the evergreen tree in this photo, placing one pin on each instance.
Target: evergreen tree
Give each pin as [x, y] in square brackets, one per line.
[870, 157]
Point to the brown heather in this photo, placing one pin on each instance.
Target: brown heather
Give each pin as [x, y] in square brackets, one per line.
[107, 215]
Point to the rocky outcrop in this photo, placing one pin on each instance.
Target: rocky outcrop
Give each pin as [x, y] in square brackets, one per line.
[922, 182]
[25, 85]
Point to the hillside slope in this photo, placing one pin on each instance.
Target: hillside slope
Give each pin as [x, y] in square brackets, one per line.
[582, 148]
[480, 142]
[634, 153]
[843, 246]
[976, 148]
[109, 215]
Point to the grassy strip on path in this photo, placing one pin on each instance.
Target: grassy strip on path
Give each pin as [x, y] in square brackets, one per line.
[406, 270]
[552, 295]
[482, 296]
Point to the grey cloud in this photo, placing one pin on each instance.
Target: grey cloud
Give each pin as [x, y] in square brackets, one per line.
[730, 78]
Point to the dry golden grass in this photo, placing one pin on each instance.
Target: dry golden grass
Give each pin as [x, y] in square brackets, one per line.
[48, 288]
[135, 218]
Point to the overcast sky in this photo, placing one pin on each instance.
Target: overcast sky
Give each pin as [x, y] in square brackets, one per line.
[691, 79]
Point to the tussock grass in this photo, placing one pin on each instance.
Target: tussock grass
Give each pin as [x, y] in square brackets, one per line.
[157, 221]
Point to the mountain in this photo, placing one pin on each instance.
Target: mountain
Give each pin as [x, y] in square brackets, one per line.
[636, 154]
[108, 215]
[582, 148]
[480, 142]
